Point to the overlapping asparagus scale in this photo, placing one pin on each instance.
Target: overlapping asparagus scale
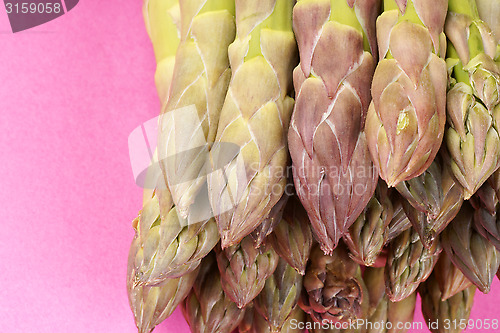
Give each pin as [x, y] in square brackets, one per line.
[175, 246]
[152, 304]
[486, 219]
[162, 18]
[400, 221]
[255, 117]
[455, 309]
[258, 324]
[408, 264]
[382, 310]
[367, 236]
[278, 299]
[244, 269]
[436, 198]
[405, 121]
[207, 309]
[200, 80]
[473, 108]
[332, 287]
[450, 279]
[266, 227]
[292, 237]
[489, 10]
[477, 258]
[333, 174]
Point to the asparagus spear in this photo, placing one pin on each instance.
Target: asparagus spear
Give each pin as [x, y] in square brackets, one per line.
[408, 264]
[254, 117]
[477, 258]
[366, 237]
[333, 287]
[278, 299]
[473, 139]
[207, 309]
[455, 309]
[405, 121]
[333, 174]
[152, 304]
[200, 80]
[292, 237]
[450, 279]
[436, 198]
[383, 310]
[244, 269]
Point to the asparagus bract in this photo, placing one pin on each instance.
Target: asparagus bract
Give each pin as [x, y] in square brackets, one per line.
[436, 198]
[400, 221]
[477, 258]
[332, 287]
[405, 121]
[368, 234]
[473, 108]
[244, 269]
[207, 309]
[408, 264]
[333, 174]
[278, 299]
[486, 219]
[455, 309]
[292, 237]
[267, 226]
[200, 80]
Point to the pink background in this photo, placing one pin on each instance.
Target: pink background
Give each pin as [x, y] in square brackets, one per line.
[71, 92]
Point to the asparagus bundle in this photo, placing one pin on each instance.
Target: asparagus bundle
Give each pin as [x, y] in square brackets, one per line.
[227, 94]
[333, 174]
[405, 121]
[254, 117]
[200, 80]
[473, 108]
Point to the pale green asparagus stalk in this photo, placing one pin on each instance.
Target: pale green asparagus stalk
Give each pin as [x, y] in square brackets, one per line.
[473, 100]
[162, 18]
[254, 117]
[200, 80]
